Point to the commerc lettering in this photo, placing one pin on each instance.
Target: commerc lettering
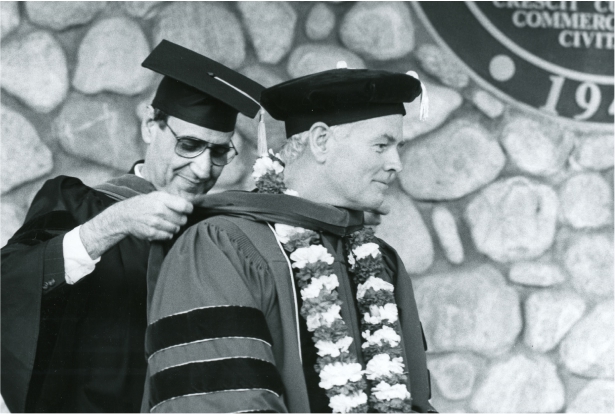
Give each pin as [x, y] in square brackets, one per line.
[563, 20]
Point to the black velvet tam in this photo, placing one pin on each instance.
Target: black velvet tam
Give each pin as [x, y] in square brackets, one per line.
[200, 90]
[339, 96]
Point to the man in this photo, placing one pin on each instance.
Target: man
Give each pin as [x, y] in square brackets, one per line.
[74, 276]
[279, 302]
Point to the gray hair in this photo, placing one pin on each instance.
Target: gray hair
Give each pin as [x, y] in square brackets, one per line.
[296, 144]
[160, 117]
[294, 147]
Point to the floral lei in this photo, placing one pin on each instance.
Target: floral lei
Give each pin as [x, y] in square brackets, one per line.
[342, 377]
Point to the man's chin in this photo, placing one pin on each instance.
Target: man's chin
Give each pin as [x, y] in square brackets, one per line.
[191, 194]
[373, 217]
[383, 209]
[377, 206]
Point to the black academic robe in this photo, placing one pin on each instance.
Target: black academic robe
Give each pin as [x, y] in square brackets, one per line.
[73, 348]
[224, 332]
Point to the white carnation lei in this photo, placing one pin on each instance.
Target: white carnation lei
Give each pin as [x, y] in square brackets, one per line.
[312, 254]
[378, 314]
[265, 164]
[374, 283]
[326, 318]
[345, 403]
[339, 373]
[382, 365]
[385, 391]
[384, 334]
[285, 232]
[367, 249]
[312, 290]
[333, 349]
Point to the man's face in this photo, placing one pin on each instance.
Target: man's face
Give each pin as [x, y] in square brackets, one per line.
[185, 177]
[364, 161]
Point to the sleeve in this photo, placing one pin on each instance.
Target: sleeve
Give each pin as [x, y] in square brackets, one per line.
[77, 261]
[415, 344]
[208, 342]
[32, 267]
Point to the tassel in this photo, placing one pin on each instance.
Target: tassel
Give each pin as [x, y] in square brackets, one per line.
[262, 134]
[424, 105]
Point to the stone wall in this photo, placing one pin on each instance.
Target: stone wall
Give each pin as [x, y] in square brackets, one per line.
[504, 220]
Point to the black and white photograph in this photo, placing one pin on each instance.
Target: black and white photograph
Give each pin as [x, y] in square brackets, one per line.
[310, 206]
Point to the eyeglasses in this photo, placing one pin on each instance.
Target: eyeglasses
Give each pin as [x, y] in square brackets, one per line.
[190, 147]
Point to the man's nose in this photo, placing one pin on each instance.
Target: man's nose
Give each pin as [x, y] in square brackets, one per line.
[393, 161]
[201, 165]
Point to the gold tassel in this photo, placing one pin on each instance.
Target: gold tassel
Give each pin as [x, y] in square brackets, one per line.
[424, 105]
[262, 134]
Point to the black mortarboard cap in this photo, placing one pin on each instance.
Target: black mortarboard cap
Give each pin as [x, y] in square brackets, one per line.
[339, 96]
[199, 90]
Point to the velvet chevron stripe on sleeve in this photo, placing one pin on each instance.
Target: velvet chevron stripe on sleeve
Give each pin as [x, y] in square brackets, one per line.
[208, 323]
[236, 374]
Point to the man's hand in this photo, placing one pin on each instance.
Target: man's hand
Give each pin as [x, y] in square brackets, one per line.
[153, 216]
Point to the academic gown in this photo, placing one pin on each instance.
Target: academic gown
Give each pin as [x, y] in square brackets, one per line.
[224, 332]
[73, 348]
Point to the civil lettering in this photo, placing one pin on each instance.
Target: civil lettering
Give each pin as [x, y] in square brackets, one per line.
[599, 40]
[577, 39]
[582, 39]
[563, 38]
[588, 38]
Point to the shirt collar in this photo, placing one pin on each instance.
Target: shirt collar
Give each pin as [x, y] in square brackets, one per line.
[138, 168]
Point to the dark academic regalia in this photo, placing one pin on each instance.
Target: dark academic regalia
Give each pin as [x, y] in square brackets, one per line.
[80, 348]
[224, 331]
[73, 348]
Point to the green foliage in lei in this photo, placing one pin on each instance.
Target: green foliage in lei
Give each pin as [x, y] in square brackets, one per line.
[272, 183]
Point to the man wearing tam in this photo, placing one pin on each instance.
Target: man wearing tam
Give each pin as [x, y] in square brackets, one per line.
[280, 299]
[74, 275]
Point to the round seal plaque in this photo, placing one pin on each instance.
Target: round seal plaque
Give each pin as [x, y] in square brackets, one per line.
[553, 57]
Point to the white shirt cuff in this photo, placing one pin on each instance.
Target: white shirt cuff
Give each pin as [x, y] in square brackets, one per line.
[77, 261]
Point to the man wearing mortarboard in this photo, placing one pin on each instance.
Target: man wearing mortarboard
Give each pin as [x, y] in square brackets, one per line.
[74, 276]
[281, 300]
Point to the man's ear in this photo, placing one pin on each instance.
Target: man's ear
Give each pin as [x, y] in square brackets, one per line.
[320, 140]
[148, 124]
